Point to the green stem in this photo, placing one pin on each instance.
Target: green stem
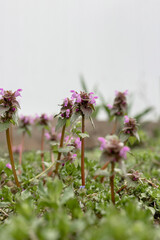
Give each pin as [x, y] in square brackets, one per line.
[82, 152]
[39, 175]
[11, 156]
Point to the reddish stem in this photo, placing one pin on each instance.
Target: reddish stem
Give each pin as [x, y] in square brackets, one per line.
[61, 145]
[21, 149]
[114, 127]
[112, 183]
[82, 152]
[42, 149]
[11, 156]
[52, 160]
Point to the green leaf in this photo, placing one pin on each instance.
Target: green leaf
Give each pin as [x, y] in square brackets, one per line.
[60, 123]
[15, 118]
[75, 117]
[83, 135]
[86, 111]
[68, 194]
[132, 140]
[92, 122]
[66, 149]
[124, 137]
[137, 136]
[4, 126]
[3, 109]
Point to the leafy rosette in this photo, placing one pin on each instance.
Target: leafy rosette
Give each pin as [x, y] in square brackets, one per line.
[9, 106]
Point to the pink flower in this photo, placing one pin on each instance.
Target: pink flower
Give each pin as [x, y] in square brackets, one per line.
[17, 93]
[77, 143]
[123, 152]
[109, 106]
[67, 113]
[65, 102]
[126, 92]
[47, 135]
[126, 119]
[78, 98]
[74, 157]
[2, 91]
[103, 143]
[8, 165]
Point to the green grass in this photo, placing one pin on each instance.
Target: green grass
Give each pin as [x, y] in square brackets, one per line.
[49, 209]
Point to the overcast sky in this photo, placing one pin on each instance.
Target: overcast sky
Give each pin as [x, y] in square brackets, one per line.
[46, 45]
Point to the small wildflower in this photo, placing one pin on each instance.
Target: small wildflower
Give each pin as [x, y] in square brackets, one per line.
[8, 165]
[9, 102]
[130, 126]
[113, 148]
[103, 143]
[119, 107]
[82, 187]
[84, 102]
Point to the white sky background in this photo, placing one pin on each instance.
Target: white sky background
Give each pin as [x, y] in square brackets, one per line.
[46, 45]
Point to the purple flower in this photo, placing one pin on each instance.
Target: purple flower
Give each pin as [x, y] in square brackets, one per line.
[17, 93]
[82, 187]
[126, 119]
[77, 143]
[65, 102]
[8, 165]
[10, 102]
[113, 149]
[47, 135]
[109, 106]
[123, 152]
[103, 143]
[67, 113]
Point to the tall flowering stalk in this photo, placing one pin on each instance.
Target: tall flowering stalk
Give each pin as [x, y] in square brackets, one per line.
[113, 151]
[64, 117]
[8, 114]
[43, 122]
[25, 123]
[119, 107]
[84, 106]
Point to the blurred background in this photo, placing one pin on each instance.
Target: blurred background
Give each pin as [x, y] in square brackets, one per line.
[46, 47]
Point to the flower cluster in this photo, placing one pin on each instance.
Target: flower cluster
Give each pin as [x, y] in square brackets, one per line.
[25, 121]
[135, 175]
[43, 120]
[84, 102]
[52, 135]
[69, 157]
[119, 107]
[75, 142]
[9, 105]
[66, 108]
[130, 126]
[113, 148]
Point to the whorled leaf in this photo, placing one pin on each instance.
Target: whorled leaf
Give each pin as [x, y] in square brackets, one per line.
[4, 126]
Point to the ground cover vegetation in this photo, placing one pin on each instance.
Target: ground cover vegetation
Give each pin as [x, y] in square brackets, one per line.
[111, 192]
